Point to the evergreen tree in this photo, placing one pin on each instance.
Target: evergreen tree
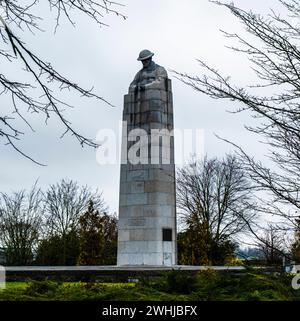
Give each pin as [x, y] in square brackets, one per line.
[59, 250]
[98, 238]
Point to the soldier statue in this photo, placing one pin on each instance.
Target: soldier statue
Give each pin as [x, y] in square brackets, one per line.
[150, 76]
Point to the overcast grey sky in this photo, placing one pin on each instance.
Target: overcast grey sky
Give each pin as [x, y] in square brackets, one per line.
[178, 32]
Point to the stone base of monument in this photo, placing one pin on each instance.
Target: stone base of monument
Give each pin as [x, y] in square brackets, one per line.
[109, 273]
[147, 206]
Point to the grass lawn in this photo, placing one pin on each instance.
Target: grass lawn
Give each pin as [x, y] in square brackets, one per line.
[174, 286]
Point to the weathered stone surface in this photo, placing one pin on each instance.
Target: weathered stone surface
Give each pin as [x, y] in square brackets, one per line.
[164, 118]
[137, 187]
[137, 199]
[156, 186]
[161, 175]
[137, 175]
[163, 96]
[147, 188]
[128, 98]
[144, 106]
[159, 211]
[129, 108]
[169, 85]
[123, 235]
[153, 94]
[156, 104]
[154, 116]
[161, 198]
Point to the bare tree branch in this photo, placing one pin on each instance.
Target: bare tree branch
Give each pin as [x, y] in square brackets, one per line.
[274, 57]
[215, 199]
[14, 16]
[20, 225]
[65, 202]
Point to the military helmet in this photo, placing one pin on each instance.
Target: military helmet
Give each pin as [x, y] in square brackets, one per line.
[145, 54]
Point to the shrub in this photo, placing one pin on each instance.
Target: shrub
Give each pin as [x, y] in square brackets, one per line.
[41, 287]
[180, 282]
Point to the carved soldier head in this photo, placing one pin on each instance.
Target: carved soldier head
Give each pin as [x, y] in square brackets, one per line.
[145, 57]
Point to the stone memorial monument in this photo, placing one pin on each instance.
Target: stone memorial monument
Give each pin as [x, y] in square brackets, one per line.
[147, 208]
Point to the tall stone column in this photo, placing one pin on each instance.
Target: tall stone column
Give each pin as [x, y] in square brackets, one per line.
[147, 208]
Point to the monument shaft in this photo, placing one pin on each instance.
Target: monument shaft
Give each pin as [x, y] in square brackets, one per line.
[147, 208]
